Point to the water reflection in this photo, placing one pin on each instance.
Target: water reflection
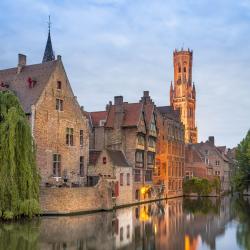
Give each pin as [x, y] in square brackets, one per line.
[185, 224]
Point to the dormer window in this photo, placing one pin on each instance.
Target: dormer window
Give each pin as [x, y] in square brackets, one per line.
[59, 85]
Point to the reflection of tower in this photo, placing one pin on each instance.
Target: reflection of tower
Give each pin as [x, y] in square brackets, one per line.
[183, 94]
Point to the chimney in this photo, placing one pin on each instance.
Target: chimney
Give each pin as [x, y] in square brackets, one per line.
[108, 106]
[59, 57]
[146, 93]
[119, 111]
[211, 140]
[21, 62]
[118, 100]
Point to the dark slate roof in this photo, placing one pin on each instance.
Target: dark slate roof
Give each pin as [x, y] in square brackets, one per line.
[118, 158]
[19, 82]
[48, 53]
[169, 112]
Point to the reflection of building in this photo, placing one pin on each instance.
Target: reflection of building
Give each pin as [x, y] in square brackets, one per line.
[183, 94]
[123, 224]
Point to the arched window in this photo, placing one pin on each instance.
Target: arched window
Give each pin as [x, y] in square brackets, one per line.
[179, 68]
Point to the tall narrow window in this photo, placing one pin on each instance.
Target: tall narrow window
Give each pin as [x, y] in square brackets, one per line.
[121, 179]
[56, 165]
[69, 136]
[59, 85]
[81, 138]
[139, 159]
[59, 104]
[81, 166]
[128, 179]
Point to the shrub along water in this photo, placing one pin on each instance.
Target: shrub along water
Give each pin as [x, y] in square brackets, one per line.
[19, 179]
[202, 187]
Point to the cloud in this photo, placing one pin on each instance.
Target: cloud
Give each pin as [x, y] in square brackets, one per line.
[113, 47]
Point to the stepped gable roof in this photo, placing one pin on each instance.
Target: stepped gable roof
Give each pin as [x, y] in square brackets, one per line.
[97, 116]
[118, 158]
[19, 82]
[93, 156]
[169, 112]
[132, 114]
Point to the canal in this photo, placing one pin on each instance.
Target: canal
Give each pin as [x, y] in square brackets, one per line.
[189, 224]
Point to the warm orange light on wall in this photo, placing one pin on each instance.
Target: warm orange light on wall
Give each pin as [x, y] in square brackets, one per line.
[144, 190]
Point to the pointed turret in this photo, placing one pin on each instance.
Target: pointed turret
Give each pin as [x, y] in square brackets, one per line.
[171, 94]
[48, 53]
[194, 91]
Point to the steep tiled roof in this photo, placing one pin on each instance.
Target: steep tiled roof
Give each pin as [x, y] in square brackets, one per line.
[169, 112]
[96, 117]
[192, 155]
[118, 158]
[149, 110]
[19, 83]
[132, 114]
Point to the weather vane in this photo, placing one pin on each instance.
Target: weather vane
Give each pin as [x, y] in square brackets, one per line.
[49, 23]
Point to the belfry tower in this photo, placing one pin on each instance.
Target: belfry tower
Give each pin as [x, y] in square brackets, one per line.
[183, 94]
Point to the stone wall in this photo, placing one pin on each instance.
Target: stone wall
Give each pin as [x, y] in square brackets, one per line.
[73, 200]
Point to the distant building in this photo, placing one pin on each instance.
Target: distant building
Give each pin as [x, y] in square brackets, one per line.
[205, 160]
[59, 129]
[183, 93]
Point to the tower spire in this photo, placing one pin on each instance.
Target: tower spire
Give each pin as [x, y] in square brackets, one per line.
[48, 53]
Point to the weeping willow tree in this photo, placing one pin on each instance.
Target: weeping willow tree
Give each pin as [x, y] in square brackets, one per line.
[19, 179]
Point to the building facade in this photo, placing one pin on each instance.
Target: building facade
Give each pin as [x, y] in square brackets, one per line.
[59, 129]
[183, 93]
[170, 151]
[207, 155]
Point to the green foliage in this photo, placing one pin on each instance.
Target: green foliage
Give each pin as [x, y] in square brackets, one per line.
[23, 235]
[8, 215]
[201, 205]
[241, 180]
[242, 208]
[202, 187]
[19, 179]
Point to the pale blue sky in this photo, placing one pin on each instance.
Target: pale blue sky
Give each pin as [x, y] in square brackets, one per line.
[122, 47]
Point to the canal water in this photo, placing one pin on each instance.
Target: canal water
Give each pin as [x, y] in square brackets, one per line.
[185, 224]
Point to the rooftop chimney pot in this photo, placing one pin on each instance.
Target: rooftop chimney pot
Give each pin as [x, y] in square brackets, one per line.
[118, 100]
[21, 62]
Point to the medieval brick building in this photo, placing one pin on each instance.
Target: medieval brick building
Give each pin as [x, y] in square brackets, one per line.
[183, 94]
[58, 126]
[170, 151]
